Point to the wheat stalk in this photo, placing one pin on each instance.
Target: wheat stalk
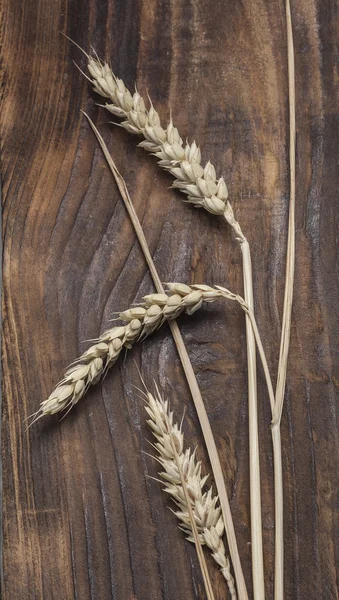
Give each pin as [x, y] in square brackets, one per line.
[286, 327]
[140, 321]
[191, 378]
[202, 189]
[198, 509]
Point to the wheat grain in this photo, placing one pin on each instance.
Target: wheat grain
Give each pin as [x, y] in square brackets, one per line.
[140, 321]
[180, 465]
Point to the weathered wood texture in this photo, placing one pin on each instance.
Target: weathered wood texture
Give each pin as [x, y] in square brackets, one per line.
[81, 518]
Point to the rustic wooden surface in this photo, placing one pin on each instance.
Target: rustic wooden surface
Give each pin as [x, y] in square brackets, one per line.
[81, 518]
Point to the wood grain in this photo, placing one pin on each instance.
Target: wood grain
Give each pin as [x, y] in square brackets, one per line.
[81, 518]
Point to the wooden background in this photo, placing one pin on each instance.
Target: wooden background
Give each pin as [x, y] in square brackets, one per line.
[81, 518]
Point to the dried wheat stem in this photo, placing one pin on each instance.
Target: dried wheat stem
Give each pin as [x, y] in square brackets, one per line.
[202, 189]
[290, 261]
[191, 379]
[286, 327]
[255, 491]
[140, 321]
[279, 514]
[198, 509]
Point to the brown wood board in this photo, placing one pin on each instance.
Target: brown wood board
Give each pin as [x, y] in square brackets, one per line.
[82, 519]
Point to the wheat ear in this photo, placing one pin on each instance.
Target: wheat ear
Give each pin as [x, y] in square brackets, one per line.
[182, 473]
[140, 321]
[190, 375]
[199, 184]
[202, 189]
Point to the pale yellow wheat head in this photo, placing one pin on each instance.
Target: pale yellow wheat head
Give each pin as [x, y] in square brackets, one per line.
[139, 322]
[183, 160]
[178, 465]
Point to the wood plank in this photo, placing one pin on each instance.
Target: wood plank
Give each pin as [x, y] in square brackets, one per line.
[82, 519]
